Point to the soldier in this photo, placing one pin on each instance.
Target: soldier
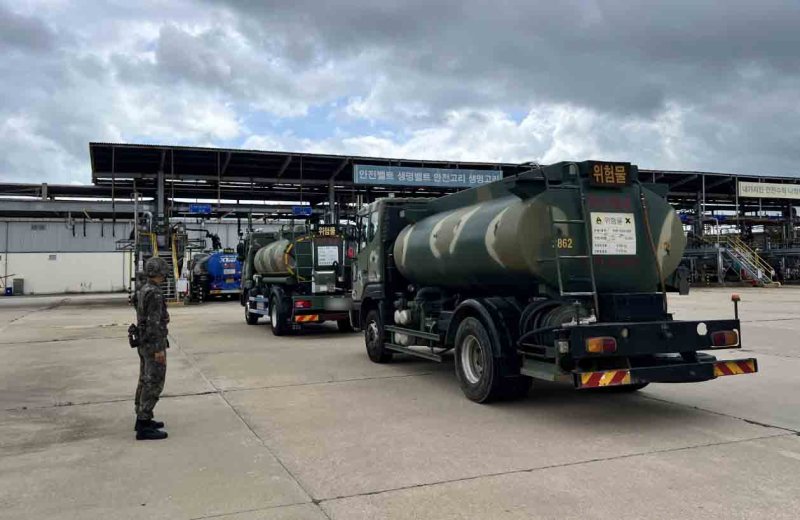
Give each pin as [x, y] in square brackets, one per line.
[152, 318]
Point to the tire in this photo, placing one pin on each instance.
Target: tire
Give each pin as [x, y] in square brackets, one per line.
[278, 321]
[344, 325]
[374, 337]
[249, 317]
[476, 367]
[483, 377]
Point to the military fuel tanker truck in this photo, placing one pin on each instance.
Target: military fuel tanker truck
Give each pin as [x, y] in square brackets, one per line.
[296, 276]
[556, 274]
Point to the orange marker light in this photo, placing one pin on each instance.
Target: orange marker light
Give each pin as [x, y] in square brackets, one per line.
[601, 345]
[725, 338]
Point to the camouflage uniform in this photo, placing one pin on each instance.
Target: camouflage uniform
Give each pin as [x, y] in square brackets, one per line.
[152, 318]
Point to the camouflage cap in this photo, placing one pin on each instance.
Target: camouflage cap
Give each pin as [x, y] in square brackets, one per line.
[155, 266]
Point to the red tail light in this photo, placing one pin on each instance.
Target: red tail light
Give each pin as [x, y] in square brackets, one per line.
[725, 338]
[351, 253]
[601, 345]
[302, 304]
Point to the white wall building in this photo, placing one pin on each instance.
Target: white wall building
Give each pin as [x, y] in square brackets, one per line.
[54, 257]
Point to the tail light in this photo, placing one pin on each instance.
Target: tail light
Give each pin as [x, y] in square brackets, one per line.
[302, 304]
[725, 338]
[601, 345]
[351, 253]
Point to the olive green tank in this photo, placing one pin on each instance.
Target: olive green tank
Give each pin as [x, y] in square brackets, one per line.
[275, 258]
[493, 239]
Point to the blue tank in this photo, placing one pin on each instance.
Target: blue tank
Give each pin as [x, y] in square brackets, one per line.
[216, 273]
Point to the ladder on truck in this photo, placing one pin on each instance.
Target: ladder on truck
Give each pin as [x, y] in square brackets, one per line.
[587, 257]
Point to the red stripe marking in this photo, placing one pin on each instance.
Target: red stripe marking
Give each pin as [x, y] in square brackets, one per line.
[723, 367]
[618, 377]
[745, 366]
[594, 380]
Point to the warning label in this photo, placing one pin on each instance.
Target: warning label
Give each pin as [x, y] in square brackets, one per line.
[327, 255]
[613, 234]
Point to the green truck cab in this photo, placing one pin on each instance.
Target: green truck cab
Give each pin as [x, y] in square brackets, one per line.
[558, 273]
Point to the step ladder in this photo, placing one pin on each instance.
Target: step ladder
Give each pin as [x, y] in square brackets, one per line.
[583, 223]
[749, 261]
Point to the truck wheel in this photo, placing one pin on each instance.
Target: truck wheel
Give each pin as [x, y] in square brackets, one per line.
[277, 316]
[249, 317]
[344, 325]
[374, 338]
[476, 367]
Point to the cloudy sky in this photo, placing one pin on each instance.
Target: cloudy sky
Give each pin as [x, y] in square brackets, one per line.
[689, 84]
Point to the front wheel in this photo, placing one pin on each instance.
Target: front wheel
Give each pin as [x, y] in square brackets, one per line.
[250, 317]
[374, 336]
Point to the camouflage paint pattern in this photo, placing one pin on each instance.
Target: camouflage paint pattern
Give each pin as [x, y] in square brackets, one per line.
[506, 243]
[275, 258]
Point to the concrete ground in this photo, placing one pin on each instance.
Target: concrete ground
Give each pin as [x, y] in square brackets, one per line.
[306, 427]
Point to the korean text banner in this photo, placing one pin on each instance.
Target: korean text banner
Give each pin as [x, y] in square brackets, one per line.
[769, 190]
[411, 176]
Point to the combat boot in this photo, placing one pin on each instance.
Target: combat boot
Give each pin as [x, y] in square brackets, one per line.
[145, 433]
[151, 424]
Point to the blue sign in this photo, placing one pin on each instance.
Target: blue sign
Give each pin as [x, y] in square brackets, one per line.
[200, 209]
[301, 211]
[412, 176]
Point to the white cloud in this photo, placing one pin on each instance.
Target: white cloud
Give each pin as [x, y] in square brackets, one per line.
[669, 87]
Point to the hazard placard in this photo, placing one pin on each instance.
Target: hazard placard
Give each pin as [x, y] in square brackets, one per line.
[613, 233]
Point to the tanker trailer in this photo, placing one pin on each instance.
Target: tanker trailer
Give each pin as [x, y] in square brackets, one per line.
[214, 274]
[300, 275]
[557, 273]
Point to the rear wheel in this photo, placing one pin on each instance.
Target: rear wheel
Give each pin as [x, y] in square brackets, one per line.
[278, 319]
[483, 376]
[475, 364]
[344, 325]
[374, 338]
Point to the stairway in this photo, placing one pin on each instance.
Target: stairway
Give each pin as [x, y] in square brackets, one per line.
[747, 260]
[168, 287]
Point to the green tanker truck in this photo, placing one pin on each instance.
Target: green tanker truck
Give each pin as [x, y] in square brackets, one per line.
[296, 276]
[557, 274]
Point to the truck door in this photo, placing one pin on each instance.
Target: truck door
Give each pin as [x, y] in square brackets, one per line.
[368, 266]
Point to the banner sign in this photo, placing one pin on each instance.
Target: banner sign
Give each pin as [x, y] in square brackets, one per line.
[769, 190]
[412, 176]
[200, 209]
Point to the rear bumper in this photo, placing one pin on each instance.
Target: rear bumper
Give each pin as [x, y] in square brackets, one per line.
[649, 338]
[323, 308]
[667, 372]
